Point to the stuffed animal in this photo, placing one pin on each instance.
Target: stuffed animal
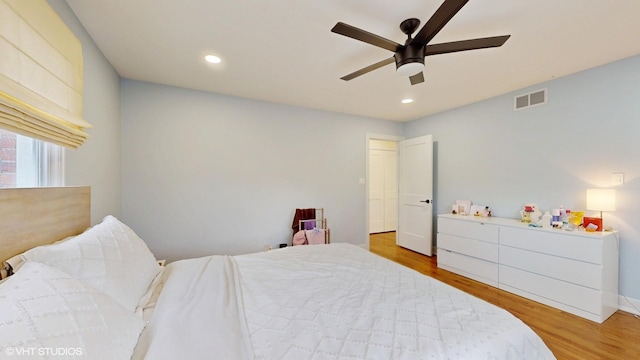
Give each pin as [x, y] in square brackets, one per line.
[533, 212]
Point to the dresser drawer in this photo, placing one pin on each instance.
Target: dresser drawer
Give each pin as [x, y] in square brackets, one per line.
[575, 272]
[562, 243]
[543, 287]
[476, 248]
[468, 229]
[473, 268]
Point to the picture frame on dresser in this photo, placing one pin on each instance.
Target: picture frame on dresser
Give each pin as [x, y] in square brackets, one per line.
[463, 206]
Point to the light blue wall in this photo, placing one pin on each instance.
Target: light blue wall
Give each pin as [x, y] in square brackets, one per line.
[203, 173]
[550, 154]
[213, 174]
[97, 162]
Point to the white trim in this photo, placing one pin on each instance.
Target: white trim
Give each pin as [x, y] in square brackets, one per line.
[629, 305]
[375, 136]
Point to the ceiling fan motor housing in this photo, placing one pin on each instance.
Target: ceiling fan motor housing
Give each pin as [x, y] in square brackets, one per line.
[409, 54]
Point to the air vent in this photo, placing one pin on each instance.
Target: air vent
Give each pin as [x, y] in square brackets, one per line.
[535, 98]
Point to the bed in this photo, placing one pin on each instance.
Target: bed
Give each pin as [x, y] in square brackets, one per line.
[101, 294]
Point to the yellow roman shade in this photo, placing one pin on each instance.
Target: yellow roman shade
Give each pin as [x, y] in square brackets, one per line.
[40, 74]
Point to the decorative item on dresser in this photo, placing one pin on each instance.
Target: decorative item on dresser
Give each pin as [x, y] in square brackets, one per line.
[575, 271]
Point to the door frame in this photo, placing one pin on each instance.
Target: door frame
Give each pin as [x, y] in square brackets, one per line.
[373, 136]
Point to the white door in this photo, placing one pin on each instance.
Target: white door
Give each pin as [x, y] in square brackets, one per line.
[383, 191]
[415, 193]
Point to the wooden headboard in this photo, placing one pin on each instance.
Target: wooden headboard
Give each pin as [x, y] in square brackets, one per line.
[37, 216]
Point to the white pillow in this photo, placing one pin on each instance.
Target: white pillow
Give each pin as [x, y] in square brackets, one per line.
[109, 257]
[45, 311]
[13, 264]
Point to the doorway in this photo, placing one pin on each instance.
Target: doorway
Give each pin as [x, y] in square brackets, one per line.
[369, 138]
[412, 190]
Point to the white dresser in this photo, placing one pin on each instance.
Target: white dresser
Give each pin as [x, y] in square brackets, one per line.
[574, 271]
[468, 248]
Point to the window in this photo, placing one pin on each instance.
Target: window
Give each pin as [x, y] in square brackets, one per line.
[27, 162]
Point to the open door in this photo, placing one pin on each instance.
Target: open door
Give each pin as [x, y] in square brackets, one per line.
[415, 194]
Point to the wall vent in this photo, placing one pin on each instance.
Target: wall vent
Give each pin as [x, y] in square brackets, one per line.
[535, 98]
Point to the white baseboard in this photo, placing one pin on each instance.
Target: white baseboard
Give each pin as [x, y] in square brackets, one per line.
[629, 305]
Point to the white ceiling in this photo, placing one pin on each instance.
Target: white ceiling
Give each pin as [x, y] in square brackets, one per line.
[283, 51]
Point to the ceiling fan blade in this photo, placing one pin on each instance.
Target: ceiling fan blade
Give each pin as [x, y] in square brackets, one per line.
[464, 45]
[417, 78]
[369, 68]
[365, 36]
[440, 18]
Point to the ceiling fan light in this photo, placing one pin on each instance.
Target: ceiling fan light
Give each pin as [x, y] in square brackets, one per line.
[212, 59]
[410, 69]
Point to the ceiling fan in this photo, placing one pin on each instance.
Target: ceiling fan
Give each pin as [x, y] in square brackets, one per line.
[409, 58]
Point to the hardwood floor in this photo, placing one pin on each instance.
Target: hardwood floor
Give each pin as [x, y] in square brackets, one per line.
[568, 336]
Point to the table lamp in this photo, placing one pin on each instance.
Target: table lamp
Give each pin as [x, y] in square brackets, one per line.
[601, 200]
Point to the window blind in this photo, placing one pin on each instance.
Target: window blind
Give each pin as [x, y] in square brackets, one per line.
[40, 74]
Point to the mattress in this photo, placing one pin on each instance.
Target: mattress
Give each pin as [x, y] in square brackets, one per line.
[334, 301]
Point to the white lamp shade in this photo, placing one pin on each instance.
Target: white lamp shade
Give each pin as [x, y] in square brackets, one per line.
[601, 199]
[410, 69]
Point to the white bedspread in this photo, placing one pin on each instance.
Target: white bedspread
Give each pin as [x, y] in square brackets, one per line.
[325, 302]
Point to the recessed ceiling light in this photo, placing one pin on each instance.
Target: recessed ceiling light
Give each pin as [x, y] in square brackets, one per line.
[407, 101]
[212, 59]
